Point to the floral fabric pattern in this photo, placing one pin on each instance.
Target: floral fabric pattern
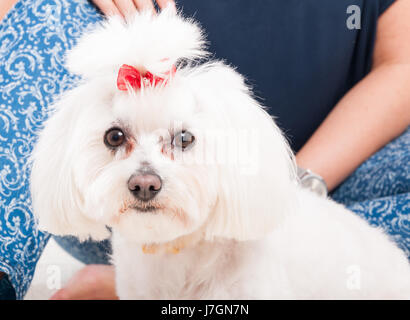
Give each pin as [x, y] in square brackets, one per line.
[34, 37]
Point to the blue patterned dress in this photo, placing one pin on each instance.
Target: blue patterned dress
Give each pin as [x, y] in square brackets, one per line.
[33, 39]
[34, 36]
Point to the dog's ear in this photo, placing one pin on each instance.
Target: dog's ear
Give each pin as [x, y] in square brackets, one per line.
[257, 189]
[146, 41]
[56, 198]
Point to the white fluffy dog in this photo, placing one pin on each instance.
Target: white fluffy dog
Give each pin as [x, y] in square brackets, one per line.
[194, 178]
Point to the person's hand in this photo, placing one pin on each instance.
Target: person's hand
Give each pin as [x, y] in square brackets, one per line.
[93, 282]
[128, 8]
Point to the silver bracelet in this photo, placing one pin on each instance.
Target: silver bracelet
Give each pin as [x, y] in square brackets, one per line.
[312, 181]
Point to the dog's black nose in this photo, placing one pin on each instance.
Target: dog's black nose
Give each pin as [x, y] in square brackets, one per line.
[145, 186]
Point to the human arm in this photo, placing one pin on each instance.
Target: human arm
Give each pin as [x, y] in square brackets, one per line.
[372, 113]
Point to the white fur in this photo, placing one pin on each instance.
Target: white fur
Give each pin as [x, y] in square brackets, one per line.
[243, 227]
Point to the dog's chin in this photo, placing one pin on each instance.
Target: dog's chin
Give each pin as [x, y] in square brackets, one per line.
[153, 223]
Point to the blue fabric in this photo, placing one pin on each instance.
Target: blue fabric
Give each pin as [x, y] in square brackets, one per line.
[33, 39]
[88, 252]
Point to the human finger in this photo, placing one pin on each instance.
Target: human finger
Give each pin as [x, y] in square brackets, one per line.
[107, 7]
[126, 7]
[143, 5]
[164, 3]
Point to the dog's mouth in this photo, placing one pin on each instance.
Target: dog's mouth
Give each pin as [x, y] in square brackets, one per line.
[142, 207]
[148, 208]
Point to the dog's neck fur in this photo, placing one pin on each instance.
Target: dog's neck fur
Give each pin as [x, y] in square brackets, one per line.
[175, 246]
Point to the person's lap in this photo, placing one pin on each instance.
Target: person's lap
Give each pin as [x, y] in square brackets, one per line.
[379, 190]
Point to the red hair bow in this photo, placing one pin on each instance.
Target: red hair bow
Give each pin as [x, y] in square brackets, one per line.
[130, 76]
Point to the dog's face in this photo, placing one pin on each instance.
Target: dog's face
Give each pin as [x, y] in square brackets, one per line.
[160, 162]
[140, 168]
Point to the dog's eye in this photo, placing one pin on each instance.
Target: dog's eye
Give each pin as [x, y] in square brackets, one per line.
[183, 139]
[114, 138]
